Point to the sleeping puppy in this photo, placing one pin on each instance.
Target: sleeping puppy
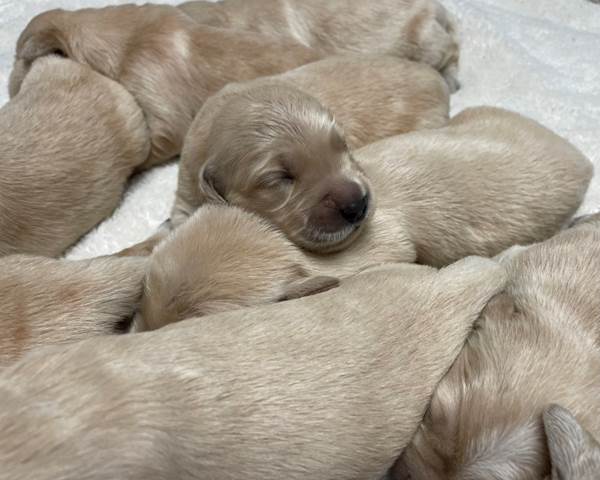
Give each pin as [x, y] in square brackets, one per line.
[415, 29]
[68, 143]
[489, 180]
[45, 301]
[541, 346]
[166, 60]
[574, 453]
[224, 258]
[276, 145]
[312, 388]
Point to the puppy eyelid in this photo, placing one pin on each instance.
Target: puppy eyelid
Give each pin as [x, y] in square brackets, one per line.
[276, 177]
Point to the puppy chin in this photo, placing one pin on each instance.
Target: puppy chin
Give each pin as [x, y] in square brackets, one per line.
[317, 240]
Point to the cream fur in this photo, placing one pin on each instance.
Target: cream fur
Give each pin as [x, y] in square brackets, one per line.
[45, 301]
[541, 346]
[293, 122]
[420, 30]
[168, 62]
[489, 180]
[314, 388]
[68, 142]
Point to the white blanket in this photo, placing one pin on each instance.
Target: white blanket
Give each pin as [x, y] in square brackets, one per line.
[538, 57]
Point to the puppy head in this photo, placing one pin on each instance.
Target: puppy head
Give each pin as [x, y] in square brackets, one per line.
[574, 453]
[279, 153]
[222, 259]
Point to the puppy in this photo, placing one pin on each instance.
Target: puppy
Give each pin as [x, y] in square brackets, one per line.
[489, 180]
[419, 30]
[222, 259]
[540, 346]
[574, 453]
[272, 146]
[313, 388]
[166, 60]
[68, 142]
[45, 301]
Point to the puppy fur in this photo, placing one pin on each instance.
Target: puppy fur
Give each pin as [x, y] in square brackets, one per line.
[318, 386]
[540, 346]
[68, 142]
[166, 60]
[574, 453]
[224, 258]
[420, 30]
[273, 147]
[489, 180]
[45, 301]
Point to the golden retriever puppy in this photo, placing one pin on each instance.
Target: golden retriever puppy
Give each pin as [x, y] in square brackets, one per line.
[46, 301]
[574, 453]
[276, 146]
[420, 30]
[224, 258]
[489, 180]
[542, 345]
[68, 142]
[166, 60]
[329, 386]
[221, 259]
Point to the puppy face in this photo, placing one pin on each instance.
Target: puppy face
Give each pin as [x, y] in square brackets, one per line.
[279, 153]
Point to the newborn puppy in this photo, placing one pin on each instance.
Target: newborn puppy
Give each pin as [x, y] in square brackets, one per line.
[68, 142]
[45, 301]
[274, 147]
[166, 60]
[489, 180]
[222, 259]
[420, 30]
[574, 453]
[329, 386]
[540, 346]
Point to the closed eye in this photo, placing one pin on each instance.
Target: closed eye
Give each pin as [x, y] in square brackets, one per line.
[276, 178]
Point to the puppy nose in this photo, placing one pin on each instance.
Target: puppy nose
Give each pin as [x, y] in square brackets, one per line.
[355, 212]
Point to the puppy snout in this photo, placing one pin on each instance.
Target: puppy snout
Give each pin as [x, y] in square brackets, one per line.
[356, 211]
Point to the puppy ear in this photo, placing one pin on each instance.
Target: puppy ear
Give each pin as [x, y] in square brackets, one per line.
[574, 453]
[211, 187]
[309, 286]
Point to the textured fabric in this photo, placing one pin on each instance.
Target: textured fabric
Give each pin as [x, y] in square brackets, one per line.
[538, 57]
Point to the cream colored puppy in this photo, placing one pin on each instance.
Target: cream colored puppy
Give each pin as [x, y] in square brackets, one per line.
[166, 60]
[541, 346]
[329, 386]
[45, 301]
[68, 143]
[276, 145]
[420, 30]
[224, 258]
[489, 180]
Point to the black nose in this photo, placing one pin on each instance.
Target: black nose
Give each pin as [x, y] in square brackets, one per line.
[355, 212]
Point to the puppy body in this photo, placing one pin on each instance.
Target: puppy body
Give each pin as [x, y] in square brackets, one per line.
[168, 62]
[68, 142]
[489, 180]
[540, 347]
[45, 301]
[224, 258]
[314, 388]
[415, 29]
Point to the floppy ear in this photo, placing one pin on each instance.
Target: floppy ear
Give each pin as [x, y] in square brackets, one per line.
[574, 453]
[210, 186]
[46, 42]
[309, 286]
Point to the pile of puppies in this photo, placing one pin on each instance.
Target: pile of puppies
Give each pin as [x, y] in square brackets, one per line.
[316, 314]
